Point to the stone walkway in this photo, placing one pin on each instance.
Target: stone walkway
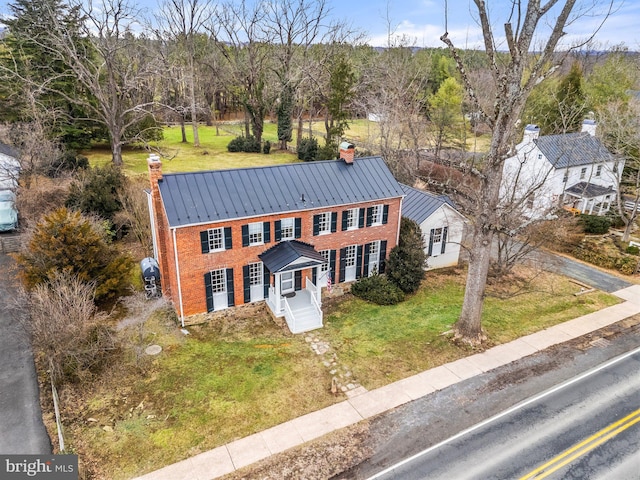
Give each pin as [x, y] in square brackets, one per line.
[343, 380]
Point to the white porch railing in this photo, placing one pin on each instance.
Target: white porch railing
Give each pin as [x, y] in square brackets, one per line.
[289, 317]
[314, 294]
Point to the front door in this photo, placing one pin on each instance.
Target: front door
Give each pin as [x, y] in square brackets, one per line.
[350, 265]
[256, 279]
[287, 284]
[436, 242]
[219, 289]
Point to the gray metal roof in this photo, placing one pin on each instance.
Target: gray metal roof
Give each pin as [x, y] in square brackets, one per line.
[211, 196]
[419, 205]
[7, 150]
[573, 149]
[281, 257]
[589, 190]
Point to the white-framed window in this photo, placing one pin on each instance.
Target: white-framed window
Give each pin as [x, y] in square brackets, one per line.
[256, 231]
[376, 215]
[324, 223]
[539, 156]
[374, 256]
[353, 216]
[219, 281]
[350, 256]
[287, 228]
[326, 254]
[598, 170]
[255, 274]
[566, 176]
[583, 173]
[437, 235]
[216, 239]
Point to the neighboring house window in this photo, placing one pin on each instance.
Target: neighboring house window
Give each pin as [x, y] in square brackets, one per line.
[377, 215]
[583, 173]
[256, 233]
[324, 223]
[437, 241]
[215, 239]
[287, 229]
[598, 170]
[539, 156]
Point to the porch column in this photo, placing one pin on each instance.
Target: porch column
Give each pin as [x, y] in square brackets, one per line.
[318, 289]
[277, 289]
[591, 204]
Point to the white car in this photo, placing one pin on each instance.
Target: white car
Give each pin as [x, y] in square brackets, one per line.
[8, 212]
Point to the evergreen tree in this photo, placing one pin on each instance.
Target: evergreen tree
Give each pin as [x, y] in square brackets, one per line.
[284, 111]
[405, 266]
[342, 80]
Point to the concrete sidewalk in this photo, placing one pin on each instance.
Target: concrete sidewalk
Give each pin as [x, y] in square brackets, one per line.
[235, 455]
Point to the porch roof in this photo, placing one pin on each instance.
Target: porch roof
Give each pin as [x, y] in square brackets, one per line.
[291, 255]
[589, 190]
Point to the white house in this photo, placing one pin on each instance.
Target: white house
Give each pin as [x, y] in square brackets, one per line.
[441, 224]
[571, 170]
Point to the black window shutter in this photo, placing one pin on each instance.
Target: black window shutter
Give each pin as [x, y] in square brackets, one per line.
[361, 218]
[297, 275]
[230, 296]
[208, 291]
[316, 225]
[266, 229]
[334, 222]
[345, 216]
[314, 275]
[228, 244]
[245, 235]
[444, 239]
[266, 280]
[369, 216]
[343, 259]
[385, 214]
[383, 256]
[277, 227]
[204, 241]
[332, 264]
[247, 284]
[298, 228]
[430, 242]
[367, 248]
[358, 261]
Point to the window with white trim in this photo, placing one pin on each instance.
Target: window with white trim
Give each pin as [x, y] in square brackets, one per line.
[324, 223]
[583, 173]
[437, 235]
[287, 228]
[216, 239]
[219, 280]
[376, 215]
[598, 170]
[255, 273]
[325, 266]
[255, 233]
[350, 256]
[353, 215]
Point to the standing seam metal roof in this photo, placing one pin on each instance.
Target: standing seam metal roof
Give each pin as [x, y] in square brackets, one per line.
[419, 205]
[211, 196]
[573, 149]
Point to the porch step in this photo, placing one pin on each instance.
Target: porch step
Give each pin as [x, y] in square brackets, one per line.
[306, 319]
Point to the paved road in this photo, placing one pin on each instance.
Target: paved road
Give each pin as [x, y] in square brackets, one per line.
[579, 271]
[587, 429]
[21, 427]
[425, 422]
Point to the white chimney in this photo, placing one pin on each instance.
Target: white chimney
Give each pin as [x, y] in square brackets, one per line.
[589, 126]
[531, 132]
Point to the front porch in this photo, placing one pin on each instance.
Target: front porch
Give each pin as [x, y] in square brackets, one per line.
[291, 296]
[587, 198]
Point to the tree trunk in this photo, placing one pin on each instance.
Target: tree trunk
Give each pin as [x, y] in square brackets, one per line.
[116, 152]
[194, 114]
[183, 130]
[300, 130]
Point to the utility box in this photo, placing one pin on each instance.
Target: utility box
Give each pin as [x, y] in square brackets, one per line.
[151, 276]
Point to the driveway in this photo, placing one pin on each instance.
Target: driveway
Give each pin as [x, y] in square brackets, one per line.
[21, 428]
[578, 271]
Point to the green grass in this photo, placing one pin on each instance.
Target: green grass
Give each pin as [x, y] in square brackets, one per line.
[383, 344]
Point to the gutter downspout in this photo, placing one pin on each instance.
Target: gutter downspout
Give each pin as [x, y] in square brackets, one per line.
[175, 253]
[399, 221]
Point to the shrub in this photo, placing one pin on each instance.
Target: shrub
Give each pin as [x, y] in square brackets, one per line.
[68, 242]
[633, 250]
[251, 145]
[308, 149]
[405, 266]
[266, 148]
[377, 289]
[595, 224]
[68, 161]
[96, 191]
[236, 145]
[328, 152]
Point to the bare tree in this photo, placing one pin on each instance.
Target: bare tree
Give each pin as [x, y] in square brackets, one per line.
[514, 75]
[180, 23]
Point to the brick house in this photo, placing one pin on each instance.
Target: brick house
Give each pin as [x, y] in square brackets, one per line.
[231, 237]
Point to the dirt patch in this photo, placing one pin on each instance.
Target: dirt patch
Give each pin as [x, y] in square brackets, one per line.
[317, 460]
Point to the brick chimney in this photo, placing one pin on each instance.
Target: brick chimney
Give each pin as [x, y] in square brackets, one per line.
[347, 152]
[531, 132]
[155, 171]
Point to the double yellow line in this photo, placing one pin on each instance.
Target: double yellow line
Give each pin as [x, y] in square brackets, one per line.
[583, 447]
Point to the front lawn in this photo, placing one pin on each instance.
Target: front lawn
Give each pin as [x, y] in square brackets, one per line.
[239, 376]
